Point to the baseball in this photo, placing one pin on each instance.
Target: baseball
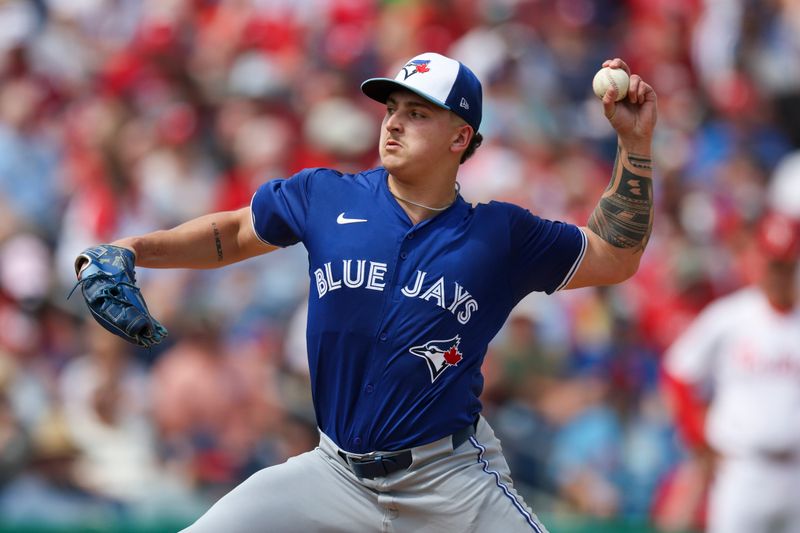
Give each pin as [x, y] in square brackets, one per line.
[607, 77]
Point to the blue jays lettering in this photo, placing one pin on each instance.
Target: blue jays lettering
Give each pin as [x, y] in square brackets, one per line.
[461, 304]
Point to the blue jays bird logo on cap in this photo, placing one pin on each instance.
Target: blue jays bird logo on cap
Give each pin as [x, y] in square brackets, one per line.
[441, 80]
[416, 66]
[440, 355]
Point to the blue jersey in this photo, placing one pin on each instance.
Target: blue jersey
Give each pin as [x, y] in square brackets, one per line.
[401, 314]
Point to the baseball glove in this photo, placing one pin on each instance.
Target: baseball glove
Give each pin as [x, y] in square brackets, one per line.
[108, 283]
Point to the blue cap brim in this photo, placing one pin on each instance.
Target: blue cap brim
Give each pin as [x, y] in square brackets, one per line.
[379, 90]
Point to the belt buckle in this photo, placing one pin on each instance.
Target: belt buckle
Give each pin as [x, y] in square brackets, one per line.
[373, 464]
[368, 466]
[361, 459]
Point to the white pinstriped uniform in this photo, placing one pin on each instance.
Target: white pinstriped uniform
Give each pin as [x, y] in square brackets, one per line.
[748, 354]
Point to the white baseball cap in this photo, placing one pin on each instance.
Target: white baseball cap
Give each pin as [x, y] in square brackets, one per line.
[442, 81]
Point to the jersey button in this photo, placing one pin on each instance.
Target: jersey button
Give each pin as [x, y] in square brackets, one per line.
[410, 236]
[384, 336]
[403, 255]
[357, 441]
[369, 389]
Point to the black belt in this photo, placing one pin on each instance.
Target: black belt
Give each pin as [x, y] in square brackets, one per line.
[372, 466]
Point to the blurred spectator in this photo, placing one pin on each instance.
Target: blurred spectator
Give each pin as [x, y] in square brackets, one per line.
[51, 481]
[29, 159]
[25, 267]
[15, 446]
[215, 410]
[587, 447]
[783, 192]
[106, 402]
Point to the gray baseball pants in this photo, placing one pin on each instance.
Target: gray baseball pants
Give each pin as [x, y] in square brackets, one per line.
[444, 490]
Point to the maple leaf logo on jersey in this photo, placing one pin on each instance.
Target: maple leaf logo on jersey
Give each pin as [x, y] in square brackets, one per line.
[452, 356]
[440, 355]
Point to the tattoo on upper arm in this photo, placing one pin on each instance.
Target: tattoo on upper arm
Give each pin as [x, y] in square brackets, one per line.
[217, 240]
[624, 215]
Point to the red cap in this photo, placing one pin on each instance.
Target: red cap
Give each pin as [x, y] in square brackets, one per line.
[779, 237]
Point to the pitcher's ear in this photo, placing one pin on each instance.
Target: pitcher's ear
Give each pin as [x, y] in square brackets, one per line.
[462, 137]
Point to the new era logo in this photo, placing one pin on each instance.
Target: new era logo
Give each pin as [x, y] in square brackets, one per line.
[464, 103]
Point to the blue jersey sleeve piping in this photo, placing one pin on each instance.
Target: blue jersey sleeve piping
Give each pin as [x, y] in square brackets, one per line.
[576, 265]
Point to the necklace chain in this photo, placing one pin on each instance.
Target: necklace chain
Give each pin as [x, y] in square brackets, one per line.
[458, 190]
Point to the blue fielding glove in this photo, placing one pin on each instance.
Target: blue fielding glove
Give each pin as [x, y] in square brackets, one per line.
[108, 283]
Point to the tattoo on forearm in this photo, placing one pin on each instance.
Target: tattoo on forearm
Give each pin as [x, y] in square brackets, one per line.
[624, 215]
[217, 240]
[643, 163]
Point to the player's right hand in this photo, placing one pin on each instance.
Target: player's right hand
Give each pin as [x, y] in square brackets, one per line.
[634, 117]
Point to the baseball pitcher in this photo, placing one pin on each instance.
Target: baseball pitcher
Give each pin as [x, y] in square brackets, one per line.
[408, 284]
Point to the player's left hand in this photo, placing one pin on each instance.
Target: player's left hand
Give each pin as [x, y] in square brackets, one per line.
[634, 117]
[108, 283]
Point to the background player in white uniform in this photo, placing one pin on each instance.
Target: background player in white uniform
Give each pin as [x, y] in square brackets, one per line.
[735, 377]
[409, 283]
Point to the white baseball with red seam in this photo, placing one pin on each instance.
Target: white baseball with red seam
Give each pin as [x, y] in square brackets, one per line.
[611, 77]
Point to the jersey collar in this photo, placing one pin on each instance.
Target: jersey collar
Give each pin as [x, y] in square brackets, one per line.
[457, 210]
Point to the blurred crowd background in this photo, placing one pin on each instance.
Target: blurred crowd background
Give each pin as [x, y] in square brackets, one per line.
[119, 117]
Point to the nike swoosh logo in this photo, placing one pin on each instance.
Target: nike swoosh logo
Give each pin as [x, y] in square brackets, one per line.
[342, 220]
